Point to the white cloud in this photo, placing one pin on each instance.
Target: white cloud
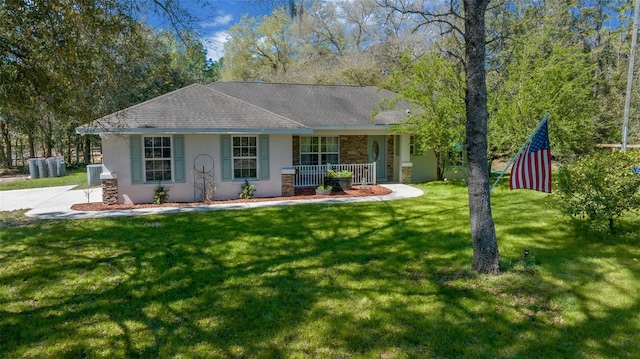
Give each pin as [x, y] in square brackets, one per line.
[214, 44]
[221, 20]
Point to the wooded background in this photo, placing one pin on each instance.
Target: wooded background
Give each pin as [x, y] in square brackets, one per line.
[64, 63]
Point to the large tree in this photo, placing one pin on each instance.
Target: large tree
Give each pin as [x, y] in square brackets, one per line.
[472, 15]
[434, 85]
[327, 42]
[544, 76]
[483, 233]
[66, 62]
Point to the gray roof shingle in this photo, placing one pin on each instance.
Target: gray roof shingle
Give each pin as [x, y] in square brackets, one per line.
[251, 107]
[316, 105]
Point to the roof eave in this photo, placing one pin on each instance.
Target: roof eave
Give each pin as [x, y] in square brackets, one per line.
[195, 131]
[359, 127]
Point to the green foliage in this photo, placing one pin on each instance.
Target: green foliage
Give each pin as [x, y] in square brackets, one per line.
[602, 186]
[247, 190]
[338, 174]
[329, 42]
[160, 194]
[434, 86]
[65, 63]
[543, 76]
[323, 187]
[261, 49]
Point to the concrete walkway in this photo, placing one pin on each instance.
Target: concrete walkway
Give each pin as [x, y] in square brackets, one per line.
[56, 202]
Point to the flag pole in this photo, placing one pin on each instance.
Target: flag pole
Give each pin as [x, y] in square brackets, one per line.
[632, 55]
[513, 159]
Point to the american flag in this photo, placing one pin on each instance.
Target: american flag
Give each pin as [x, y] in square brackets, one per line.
[532, 170]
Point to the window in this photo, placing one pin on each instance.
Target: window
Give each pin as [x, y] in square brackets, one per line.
[157, 158]
[319, 150]
[245, 157]
[414, 146]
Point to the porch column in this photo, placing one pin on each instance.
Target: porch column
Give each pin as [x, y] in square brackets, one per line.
[288, 175]
[109, 188]
[405, 159]
[406, 172]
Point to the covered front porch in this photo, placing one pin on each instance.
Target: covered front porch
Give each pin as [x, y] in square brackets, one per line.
[314, 175]
[372, 157]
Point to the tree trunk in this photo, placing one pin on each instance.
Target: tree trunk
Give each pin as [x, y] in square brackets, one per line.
[611, 227]
[32, 144]
[439, 166]
[483, 234]
[7, 149]
[47, 137]
[87, 150]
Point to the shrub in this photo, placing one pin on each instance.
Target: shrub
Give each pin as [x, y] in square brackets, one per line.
[247, 190]
[341, 174]
[160, 194]
[602, 186]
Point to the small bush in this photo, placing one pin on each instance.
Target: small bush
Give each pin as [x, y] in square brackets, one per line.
[160, 194]
[247, 190]
[602, 186]
[340, 174]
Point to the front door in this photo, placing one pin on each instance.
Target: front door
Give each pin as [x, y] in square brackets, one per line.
[377, 152]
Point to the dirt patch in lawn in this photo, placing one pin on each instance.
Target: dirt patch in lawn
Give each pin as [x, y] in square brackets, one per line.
[12, 176]
[300, 193]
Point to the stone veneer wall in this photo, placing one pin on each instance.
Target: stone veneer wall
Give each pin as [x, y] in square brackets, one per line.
[296, 150]
[287, 185]
[110, 191]
[390, 153]
[353, 149]
[406, 174]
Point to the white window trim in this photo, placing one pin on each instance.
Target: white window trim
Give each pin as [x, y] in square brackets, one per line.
[145, 159]
[320, 153]
[256, 158]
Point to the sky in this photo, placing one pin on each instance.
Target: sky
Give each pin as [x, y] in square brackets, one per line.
[218, 17]
[214, 18]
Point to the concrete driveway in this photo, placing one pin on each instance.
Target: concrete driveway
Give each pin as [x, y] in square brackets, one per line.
[49, 199]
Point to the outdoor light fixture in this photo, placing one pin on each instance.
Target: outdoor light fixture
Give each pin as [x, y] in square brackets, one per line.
[526, 252]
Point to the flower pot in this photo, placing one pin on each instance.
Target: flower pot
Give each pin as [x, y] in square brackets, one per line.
[323, 192]
[339, 184]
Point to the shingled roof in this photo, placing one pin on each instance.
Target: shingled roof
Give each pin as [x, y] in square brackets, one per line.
[316, 106]
[245, 107]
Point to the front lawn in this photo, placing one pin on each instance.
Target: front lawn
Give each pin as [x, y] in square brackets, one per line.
[75, 176]
[366, 280]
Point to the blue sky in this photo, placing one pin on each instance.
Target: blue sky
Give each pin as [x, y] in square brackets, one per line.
[218, 16]
[215, 17]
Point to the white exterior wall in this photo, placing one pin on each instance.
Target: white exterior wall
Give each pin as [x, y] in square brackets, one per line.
[425, 169]
[280, 156]
[116, 160]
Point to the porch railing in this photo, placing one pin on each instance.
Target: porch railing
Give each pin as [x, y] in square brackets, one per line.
[313, 175]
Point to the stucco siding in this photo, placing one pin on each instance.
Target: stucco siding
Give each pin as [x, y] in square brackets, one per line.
[116, 159]
[424, 169]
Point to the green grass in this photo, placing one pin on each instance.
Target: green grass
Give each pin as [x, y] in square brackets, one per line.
[73, 177]
[363, 280]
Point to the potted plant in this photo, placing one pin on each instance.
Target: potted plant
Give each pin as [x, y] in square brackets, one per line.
[339, 180]
[323, 190]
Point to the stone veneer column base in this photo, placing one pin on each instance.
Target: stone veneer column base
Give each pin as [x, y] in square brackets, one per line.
[406, 173]
[110, 191]
[287, 182]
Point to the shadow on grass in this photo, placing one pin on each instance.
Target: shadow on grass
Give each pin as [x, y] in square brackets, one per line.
[387, 279]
